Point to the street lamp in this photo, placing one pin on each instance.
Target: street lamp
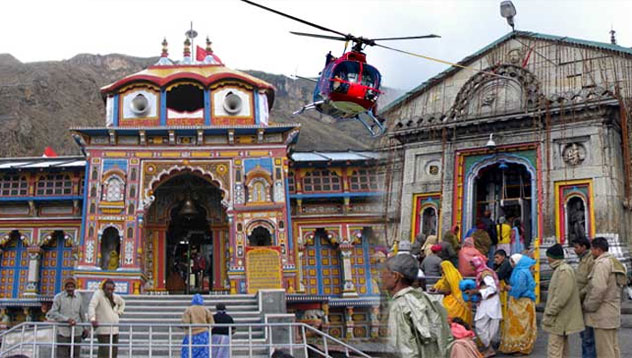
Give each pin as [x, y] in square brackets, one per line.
[491, 144]
[508, 11]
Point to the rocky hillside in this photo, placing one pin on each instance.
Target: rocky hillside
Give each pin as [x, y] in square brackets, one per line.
[40, 101]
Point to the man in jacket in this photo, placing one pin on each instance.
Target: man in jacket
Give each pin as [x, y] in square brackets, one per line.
[68, 308]
[586, 262]
[602, 304]
[106, 307]
[563, 310]
[418, 326]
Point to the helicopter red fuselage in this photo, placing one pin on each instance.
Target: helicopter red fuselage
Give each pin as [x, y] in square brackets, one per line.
[347, 86]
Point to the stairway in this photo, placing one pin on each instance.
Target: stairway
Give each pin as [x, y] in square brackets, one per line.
[145, 310]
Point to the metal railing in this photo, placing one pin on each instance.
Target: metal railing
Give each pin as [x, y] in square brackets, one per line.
[40, 340]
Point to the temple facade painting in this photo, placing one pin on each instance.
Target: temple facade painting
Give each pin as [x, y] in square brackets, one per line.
[191, 187]
[538, 133]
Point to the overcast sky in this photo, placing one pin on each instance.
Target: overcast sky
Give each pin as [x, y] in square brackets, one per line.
[246, 37]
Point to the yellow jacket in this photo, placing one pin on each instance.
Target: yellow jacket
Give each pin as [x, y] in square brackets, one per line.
[504, 233]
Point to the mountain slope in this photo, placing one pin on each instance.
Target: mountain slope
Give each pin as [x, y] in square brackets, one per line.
[40, 101]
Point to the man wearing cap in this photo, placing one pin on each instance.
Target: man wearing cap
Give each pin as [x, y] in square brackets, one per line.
[563, 310]
[418, 326]
[68, 309]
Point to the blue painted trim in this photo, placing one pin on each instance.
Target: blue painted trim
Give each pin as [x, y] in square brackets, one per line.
[163, 107]
[84, 209]
[207, 108]
[257, 115]
[42, 198]
[288, 223]
[336, 195]
[115, 110]
[367, 266]
[319, 266]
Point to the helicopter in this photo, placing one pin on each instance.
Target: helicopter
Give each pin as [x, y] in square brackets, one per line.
[348, 86]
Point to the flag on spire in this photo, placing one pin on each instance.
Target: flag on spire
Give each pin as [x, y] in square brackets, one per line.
[49, 153]
[209, 57]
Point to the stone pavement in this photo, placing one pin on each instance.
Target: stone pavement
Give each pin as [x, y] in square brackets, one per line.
[625, 344]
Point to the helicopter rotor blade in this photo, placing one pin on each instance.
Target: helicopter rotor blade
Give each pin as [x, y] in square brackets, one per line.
[320, 36]
[294, 18]
[431, 36]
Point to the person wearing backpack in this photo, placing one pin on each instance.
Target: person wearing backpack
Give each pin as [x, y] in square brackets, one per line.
[418, 325]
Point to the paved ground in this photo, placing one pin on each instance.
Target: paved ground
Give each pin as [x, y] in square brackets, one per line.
[625, 344]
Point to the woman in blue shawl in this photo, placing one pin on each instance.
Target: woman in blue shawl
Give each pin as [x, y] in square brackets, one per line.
[520, 329]
[198, 336]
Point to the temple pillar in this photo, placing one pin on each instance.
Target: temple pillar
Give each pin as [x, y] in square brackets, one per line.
[325, 324]
[349, 289]
[299, 263]
[33, 277]
[349, 322]
[375, 321]
[299, 206]
[346, 208]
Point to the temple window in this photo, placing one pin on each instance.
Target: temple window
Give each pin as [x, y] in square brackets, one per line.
[114, 189]
[290, 182]
[365, 180]
[54, 184]
[321, 181]
[13, 185]
[258, 190]
[82, 184]
[185, 98]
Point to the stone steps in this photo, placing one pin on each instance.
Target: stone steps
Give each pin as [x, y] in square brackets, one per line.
[152, 309]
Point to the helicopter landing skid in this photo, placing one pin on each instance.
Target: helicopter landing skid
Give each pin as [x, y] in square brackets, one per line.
[371, 123]
[307, 107]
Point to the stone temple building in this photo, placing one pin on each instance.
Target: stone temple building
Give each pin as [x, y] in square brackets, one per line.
[536, 129]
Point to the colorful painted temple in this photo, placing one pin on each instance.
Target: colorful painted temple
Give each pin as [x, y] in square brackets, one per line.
[191, 187]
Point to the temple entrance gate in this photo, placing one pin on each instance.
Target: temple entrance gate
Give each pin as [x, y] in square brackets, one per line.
[188, 228]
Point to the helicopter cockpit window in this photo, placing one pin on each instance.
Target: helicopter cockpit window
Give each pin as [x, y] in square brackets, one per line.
[370, 76]
[347, 71]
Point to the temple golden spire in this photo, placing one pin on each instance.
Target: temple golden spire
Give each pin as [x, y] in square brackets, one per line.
[187, 48]
[208, 45]
[165, 51]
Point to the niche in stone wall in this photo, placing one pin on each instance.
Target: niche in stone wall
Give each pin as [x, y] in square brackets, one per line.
[110, 249]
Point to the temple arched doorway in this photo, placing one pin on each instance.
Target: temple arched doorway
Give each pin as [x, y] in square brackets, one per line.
[576, 219]
[260, 236]
[505, 189]
[188, 229]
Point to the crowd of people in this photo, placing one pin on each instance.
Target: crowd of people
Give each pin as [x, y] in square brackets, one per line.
[471, 299]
